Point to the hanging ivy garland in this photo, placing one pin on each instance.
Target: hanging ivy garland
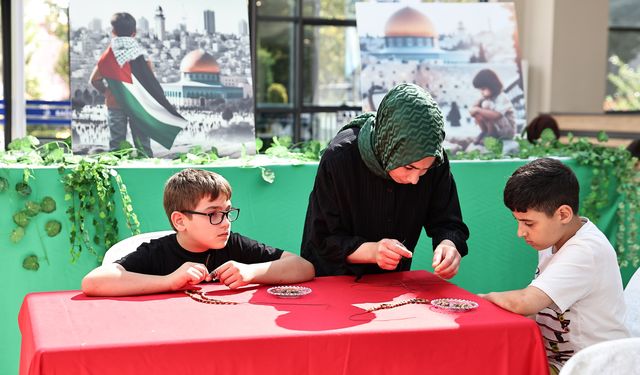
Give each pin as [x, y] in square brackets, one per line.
[90, 183]
[90, 192]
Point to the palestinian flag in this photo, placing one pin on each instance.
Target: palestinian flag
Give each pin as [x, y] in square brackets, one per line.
[139, 94]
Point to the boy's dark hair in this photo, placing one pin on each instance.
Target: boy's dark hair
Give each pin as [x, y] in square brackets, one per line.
[542, 185]
[634, 148]
[539, 124]
[487, 78]
[185, 189]
[123, 24]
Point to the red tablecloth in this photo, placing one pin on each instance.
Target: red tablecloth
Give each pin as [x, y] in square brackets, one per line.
[325, 332]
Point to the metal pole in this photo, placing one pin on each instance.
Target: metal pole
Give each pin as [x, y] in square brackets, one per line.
[18, 115]
[298, 43]
[6, 70]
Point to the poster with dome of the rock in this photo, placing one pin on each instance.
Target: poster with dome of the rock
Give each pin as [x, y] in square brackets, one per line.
[166, 77]
[465, 55]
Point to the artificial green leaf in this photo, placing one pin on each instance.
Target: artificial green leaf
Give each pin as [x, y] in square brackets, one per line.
[54, 156]
[277, 150]
[196, 149]
[30, 263]
[23, 189]
[547, 136]
[6, 158]
[16, 234]
[24, 144]
[52, 227]
[493, 145]
[243, 151]
[189, 157]
[21, 218]
[268, 175]
[108, 159]
[125, 145]
[32, 208]
[26, 174]
[51, 146]
[285, 141]
[259, 144]
[48, 205]
[602, 136]
[31, 157]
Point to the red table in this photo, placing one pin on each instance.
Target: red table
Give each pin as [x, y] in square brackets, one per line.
[325, 332]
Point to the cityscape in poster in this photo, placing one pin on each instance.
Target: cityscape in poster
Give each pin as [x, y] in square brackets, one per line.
[181, 79]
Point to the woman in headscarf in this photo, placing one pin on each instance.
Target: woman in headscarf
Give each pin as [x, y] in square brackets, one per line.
[382, 178]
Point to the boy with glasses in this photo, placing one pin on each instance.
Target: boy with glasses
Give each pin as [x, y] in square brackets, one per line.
[198, 205]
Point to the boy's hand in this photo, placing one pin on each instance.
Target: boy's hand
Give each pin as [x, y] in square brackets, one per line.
[446, 260]
[234, 274]
[389, 252]
[188, 274]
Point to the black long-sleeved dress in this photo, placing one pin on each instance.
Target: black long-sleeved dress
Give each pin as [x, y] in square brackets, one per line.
[349, 205]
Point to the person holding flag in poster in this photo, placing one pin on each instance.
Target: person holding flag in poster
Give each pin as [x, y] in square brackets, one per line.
[132, 93]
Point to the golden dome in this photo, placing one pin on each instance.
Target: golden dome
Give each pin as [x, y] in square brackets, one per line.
[199, 61]
[410, 22]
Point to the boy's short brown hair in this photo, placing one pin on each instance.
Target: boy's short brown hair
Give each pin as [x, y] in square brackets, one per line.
[185, 189]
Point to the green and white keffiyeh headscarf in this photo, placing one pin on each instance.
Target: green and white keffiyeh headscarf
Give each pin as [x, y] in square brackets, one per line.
[407, 127]
[126, 48]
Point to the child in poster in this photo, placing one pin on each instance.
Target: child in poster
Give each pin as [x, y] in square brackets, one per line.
[132, 93]
[494, 112]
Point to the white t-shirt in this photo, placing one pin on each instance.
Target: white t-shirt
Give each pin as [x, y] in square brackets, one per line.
[583, 280]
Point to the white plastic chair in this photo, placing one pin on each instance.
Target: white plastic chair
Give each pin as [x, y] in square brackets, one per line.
[632, 300]
[130, 244]
[615, 357]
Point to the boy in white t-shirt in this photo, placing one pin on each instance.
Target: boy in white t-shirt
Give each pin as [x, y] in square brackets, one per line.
[577, 291]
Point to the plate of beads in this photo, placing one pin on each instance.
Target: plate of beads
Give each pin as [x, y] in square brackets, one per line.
[289, 291]
[454, 304]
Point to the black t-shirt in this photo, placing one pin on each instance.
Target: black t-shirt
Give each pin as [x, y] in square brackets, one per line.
[350, 205]
[165, 255]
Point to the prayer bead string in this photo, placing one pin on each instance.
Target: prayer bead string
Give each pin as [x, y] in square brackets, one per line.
[384, 306]
[198, 295]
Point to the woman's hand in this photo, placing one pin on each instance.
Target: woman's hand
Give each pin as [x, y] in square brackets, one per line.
[389, 252]
[446, 260]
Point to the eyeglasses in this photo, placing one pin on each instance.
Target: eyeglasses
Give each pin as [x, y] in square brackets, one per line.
[216, 217]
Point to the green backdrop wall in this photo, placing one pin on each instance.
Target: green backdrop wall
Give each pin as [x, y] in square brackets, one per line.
[272, 213]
